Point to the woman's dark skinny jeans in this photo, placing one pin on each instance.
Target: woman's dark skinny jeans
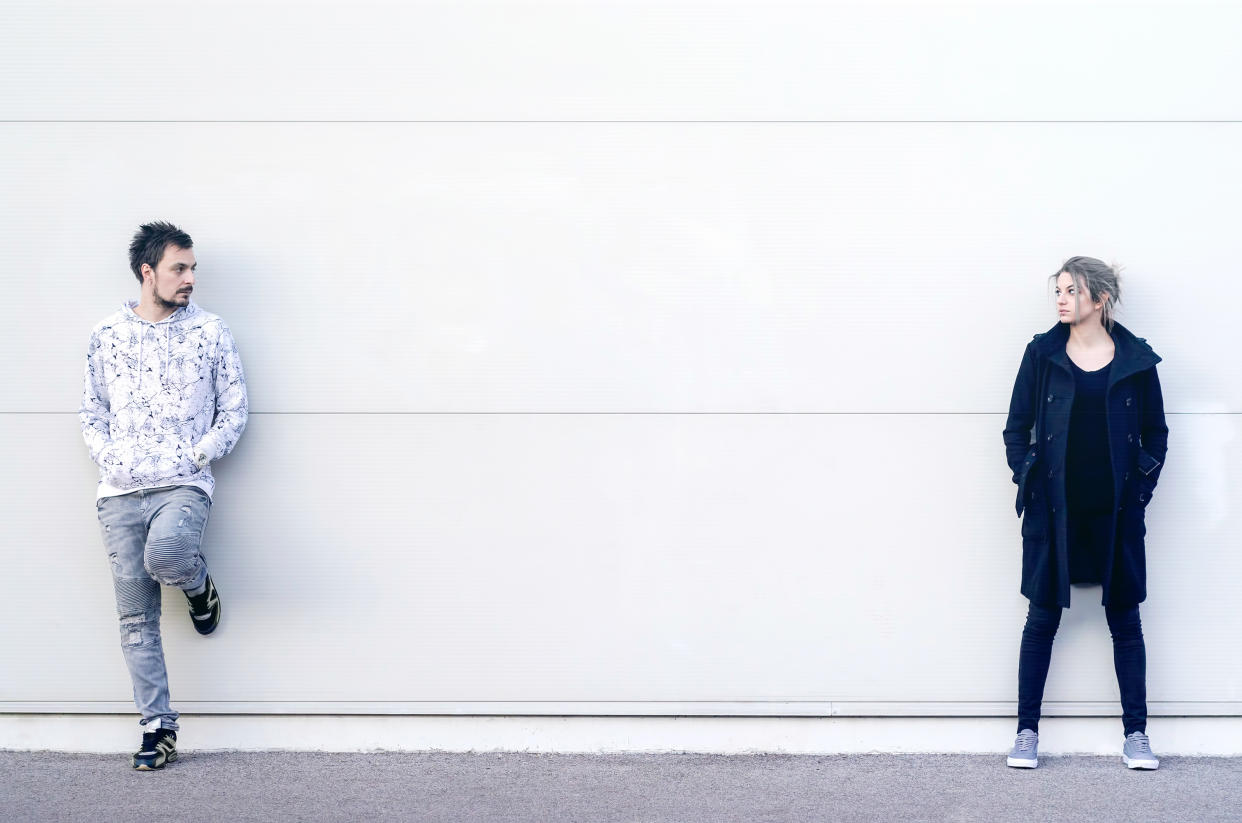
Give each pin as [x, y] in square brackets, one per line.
[1129, 659]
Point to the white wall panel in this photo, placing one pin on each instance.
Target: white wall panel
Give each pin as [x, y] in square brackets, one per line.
[634, 359]
[627, 267]
[619, 61]
[566, 560]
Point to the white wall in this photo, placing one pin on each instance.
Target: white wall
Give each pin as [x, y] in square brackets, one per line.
[612, 359]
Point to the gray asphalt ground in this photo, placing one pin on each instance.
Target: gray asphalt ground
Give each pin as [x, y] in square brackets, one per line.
[250, 786]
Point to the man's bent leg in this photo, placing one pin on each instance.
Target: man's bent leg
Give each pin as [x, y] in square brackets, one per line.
[176, 519]
[123, 524]
[173, 554]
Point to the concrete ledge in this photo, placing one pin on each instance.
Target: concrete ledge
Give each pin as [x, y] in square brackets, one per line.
[1216, 736]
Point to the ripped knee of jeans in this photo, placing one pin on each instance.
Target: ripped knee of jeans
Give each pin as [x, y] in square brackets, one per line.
[173, 560]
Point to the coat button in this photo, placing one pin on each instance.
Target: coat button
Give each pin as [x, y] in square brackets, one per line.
[1142, 497]
[1127, 476]
[1050, 398]
[1129, 438]
[1048, 438]
[1054, 509]
[1128, 399]
[1049, 474]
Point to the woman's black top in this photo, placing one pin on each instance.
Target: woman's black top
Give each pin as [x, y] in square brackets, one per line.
[1088, 476]
[1089, 473]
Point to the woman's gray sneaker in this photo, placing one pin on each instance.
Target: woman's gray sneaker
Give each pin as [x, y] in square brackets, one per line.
[1136, 753]
[1025, 752]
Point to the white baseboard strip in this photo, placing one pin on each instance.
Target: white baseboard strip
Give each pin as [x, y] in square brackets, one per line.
[1206, 736]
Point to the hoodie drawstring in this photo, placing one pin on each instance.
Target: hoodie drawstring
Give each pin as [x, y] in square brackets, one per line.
[142, 339]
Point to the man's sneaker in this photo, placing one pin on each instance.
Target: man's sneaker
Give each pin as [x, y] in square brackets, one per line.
[205, 608]
[1136, 753]
[1025, 753]
[158, 747]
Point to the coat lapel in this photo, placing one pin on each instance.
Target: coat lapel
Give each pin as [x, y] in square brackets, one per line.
[1130, 354]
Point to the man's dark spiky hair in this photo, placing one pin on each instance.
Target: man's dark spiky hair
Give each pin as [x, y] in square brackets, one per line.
[149, 244]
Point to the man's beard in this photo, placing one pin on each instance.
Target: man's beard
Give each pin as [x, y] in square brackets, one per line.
[171, 304]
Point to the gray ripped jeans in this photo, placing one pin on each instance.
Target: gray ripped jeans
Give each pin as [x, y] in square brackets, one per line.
[152, 536]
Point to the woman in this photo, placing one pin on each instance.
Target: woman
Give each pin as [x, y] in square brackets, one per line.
[1086, 440]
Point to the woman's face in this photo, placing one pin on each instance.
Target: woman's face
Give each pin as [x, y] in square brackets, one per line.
[1075, 306]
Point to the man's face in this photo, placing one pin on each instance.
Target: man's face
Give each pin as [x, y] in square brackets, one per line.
[172, 280]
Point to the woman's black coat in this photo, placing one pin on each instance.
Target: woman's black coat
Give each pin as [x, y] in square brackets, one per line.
[1043, 396]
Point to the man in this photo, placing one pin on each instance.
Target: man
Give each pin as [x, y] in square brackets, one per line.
[164, 397]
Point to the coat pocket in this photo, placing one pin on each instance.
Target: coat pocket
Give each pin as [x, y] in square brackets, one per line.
[1147, 465]
[1024, 471]
[1034, 522]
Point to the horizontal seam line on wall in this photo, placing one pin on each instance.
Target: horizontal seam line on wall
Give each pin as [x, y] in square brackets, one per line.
[613, 413]
[629, 122]
[775, 702]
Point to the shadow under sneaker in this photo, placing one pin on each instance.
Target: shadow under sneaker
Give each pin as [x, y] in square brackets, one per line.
[1025, 752]
[158, 747]
[1136, 753]
[205, 609]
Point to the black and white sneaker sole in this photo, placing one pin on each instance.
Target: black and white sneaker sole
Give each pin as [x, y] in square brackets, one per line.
[143, 767]
[153, 761]
[206, 622]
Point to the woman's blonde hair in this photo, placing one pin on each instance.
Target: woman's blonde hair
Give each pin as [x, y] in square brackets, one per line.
[1102, 282]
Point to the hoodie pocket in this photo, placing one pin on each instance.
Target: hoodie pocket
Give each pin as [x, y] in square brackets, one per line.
[153, 460]
[116, 464]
